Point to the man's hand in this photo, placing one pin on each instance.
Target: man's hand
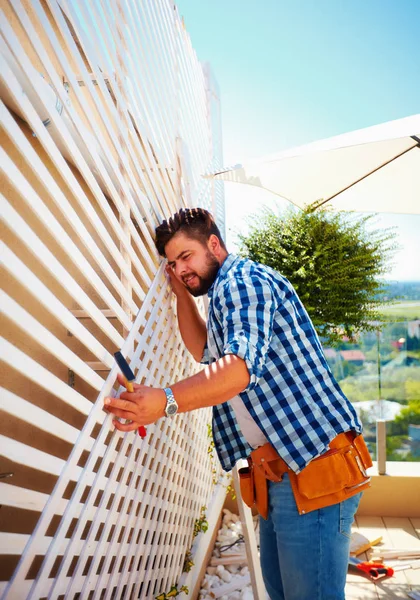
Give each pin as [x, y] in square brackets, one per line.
[176, 284]
[143, 406]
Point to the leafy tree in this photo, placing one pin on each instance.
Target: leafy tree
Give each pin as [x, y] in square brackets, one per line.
[409, 415]
[333, 262]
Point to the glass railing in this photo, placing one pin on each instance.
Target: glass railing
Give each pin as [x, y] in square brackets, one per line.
[380, 374]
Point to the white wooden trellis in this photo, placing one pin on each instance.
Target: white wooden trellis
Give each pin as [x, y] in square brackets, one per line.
[108, 121]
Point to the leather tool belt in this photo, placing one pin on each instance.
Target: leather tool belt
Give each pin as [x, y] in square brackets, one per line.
[334, 476]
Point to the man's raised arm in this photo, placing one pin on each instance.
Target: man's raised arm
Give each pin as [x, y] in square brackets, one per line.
[191, 325]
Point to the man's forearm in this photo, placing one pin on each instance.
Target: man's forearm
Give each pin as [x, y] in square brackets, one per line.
[191, 325]
[217, 383]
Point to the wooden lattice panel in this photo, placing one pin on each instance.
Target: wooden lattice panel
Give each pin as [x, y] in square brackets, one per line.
[108, 123]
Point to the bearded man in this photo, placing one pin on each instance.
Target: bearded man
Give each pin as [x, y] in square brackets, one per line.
[275, 402]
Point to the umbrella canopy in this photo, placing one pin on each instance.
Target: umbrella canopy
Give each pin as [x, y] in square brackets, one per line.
[376, 169]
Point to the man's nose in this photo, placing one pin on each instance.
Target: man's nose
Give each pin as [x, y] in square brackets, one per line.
[180, 270]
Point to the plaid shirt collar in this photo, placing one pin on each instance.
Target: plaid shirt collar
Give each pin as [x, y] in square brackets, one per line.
[222, 272]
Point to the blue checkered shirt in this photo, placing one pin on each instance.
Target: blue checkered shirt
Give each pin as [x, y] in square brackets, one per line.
[292, 395]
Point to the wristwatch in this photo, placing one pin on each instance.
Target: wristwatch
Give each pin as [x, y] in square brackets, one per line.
[171, 404]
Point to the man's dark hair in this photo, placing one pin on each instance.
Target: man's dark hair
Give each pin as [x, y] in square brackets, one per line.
[197, 223]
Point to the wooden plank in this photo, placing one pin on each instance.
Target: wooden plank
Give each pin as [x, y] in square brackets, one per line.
[254, 565]
[403, 535]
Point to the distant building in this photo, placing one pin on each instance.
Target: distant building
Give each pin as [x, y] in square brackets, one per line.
[354, 356]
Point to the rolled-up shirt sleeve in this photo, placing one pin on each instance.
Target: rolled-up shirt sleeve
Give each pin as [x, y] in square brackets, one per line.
[246, 311]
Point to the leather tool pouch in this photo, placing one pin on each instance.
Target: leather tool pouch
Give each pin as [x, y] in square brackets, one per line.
[264, 463]
[333, 477]
[246, 480]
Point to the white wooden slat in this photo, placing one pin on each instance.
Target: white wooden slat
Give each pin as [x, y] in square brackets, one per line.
[57, 195]
[38, 332]
[64, 564]
[116, 531]
[118, 464]
[40, 291]
[158, 15]
[14, 543]
[167, 109]
[59, 541]
[15, 222]
[30, 457]
[24, 588]
[192, 128]
[157, 110]
[37, 417]
[29, 368]
[18, 497]
[70, 467]
[159, 82]
[62, 238]
[153, 187]
[73, 150]
[87, 81]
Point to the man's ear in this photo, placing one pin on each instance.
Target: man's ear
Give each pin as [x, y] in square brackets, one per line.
[214, 244]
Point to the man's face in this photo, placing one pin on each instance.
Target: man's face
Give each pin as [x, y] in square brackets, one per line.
[193, 263]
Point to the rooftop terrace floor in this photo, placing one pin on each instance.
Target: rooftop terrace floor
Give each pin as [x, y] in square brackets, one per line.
[396, 532]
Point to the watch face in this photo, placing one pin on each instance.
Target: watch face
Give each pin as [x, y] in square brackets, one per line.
[171, 409]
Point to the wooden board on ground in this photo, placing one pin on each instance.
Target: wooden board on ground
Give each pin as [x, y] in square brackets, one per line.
[254, 566]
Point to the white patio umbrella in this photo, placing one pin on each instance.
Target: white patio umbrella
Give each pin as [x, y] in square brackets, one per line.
[376, 169]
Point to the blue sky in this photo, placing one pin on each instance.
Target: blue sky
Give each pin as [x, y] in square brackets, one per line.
[291, 72]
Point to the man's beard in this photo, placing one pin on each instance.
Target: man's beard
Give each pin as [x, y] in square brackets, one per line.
[206, 279]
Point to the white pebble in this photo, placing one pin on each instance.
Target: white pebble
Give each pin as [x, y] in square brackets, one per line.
[226, 576]
[232, 568]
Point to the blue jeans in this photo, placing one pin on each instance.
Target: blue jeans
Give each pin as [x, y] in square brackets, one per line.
[305, 557]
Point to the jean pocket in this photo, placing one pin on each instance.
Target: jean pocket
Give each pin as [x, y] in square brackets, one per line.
[348, 509]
